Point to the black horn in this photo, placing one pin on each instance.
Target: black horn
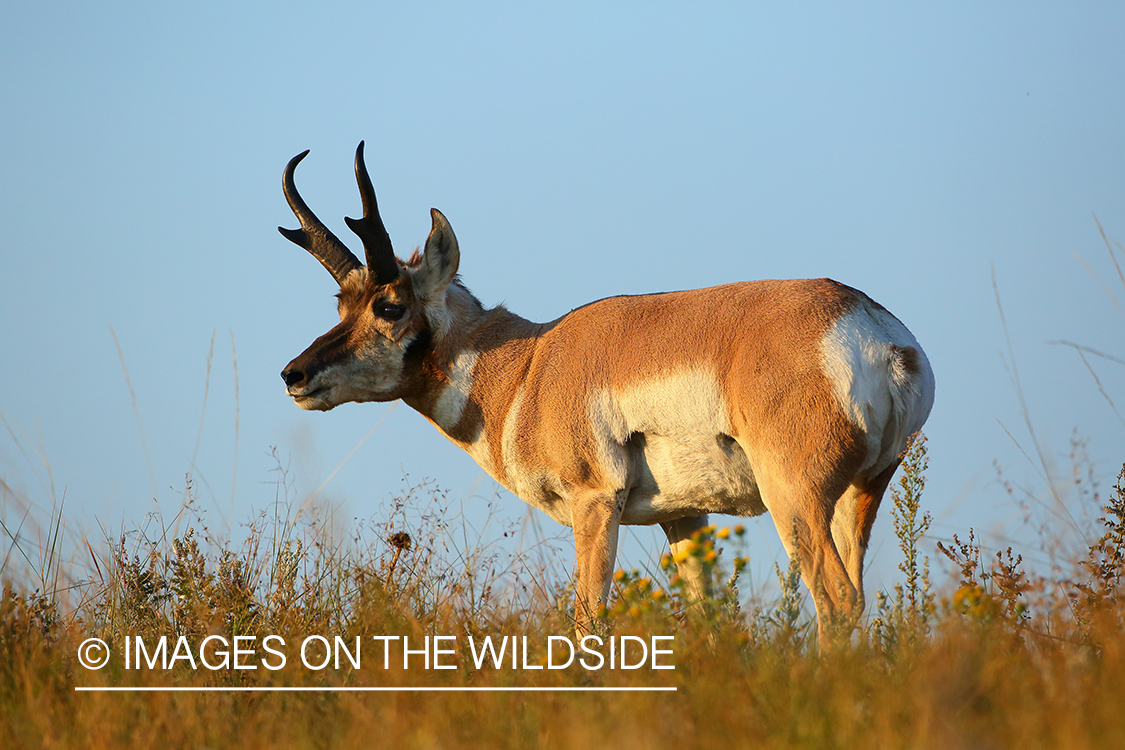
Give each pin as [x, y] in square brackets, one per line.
[382, 267]
[313, 235]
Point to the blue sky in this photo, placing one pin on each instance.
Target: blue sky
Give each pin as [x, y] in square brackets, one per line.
[579, 151]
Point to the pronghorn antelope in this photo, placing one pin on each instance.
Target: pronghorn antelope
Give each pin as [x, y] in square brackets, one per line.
[793, 397]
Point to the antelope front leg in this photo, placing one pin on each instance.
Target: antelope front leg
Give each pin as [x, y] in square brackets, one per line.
[597, 518]
[691, 570]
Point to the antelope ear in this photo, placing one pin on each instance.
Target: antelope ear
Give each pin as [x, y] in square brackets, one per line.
[439, 260]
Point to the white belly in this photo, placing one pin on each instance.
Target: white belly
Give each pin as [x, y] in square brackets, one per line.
[701, 470]
[672, 478]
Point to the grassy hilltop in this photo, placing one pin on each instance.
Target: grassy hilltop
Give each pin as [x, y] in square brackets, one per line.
[997, 656]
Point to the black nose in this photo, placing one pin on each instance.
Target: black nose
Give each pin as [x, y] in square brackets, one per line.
[292, 377]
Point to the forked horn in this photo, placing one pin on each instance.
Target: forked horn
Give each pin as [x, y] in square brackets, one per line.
[382, 267]
[313, 235]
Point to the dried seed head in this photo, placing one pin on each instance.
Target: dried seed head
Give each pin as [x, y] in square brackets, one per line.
[400, 541]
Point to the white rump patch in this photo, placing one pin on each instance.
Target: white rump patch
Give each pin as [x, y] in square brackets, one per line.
[869, 375]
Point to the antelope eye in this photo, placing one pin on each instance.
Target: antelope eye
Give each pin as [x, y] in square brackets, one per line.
[389, 311]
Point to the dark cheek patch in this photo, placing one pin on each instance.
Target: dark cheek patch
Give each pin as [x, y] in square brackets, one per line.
[419, 346]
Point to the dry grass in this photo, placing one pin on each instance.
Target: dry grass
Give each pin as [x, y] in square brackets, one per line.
[997, 657]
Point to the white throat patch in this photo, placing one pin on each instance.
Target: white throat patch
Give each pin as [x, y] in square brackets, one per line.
[451, 403]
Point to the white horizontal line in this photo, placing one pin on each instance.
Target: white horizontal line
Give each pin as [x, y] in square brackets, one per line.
[258, 689]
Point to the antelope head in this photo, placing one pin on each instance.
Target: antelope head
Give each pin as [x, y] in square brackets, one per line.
[390, 311]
